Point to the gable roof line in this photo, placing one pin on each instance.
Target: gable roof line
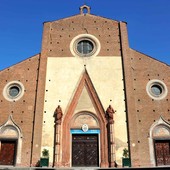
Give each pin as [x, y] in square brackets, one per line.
[82, 15]
[20, 62]
[150, 57]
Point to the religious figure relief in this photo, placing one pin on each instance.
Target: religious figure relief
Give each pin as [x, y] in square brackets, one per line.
[58, 114]
[109, 114]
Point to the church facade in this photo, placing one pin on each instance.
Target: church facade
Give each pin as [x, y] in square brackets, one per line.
[87, 97]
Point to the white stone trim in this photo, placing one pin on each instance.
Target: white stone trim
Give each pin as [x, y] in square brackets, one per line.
[161, 84]
[160, 122]
[12, 127]
[8, 86]
[91, 38]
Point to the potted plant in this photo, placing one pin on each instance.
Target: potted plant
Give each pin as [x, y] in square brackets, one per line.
[44, 160]
[126, 162]
[45, 153]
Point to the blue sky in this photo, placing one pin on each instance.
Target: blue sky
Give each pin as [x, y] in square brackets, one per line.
[21, 24]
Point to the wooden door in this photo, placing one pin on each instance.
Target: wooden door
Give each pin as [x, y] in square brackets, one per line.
[162, 152]
[85, 151]
[7, 152]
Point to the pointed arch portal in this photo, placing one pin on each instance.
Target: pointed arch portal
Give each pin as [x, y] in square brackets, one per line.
[10, 143]
[97, 133]
[159, 143]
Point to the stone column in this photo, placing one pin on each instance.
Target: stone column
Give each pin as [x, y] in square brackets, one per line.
[57, 136]
[112, 156]
[112, 146]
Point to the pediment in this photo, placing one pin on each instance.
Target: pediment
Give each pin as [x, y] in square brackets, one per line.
[85, 99]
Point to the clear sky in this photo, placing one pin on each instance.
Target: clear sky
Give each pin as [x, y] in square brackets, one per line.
[21, 24]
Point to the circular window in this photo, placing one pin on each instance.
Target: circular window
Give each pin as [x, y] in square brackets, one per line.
[13, 91]
[85, 45]
[156, 89]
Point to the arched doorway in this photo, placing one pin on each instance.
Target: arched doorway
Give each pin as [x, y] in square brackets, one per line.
[85, 95]
[10, 143]
[91, 144]
[85, 140]
[160, 143]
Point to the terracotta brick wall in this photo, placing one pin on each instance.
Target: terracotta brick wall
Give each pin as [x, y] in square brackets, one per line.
[146, 110]
[142, 111]
[22, 110]
[58, 35]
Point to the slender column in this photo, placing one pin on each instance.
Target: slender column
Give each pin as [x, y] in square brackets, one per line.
[112, 156]
[112, 146]
[57, 143]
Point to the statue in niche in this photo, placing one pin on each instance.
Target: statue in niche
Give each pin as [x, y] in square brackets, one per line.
[58, 114]
[109, 114]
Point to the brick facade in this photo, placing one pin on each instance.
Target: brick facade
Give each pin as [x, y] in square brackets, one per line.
[23, 110]
[141, 111]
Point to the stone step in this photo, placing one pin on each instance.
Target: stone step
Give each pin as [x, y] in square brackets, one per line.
[82, 168]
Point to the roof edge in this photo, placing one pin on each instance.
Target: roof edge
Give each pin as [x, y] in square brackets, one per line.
[21, 61]
[84, 15]
[150, 57]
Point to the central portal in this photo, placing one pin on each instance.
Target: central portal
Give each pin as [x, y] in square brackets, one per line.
[85, 150]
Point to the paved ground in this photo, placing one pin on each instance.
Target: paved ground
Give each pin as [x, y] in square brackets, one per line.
[83, 168]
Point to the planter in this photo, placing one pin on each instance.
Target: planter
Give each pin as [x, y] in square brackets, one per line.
[126, 162]
[44, 162]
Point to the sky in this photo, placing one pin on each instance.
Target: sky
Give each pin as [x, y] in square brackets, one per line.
[21, 24]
